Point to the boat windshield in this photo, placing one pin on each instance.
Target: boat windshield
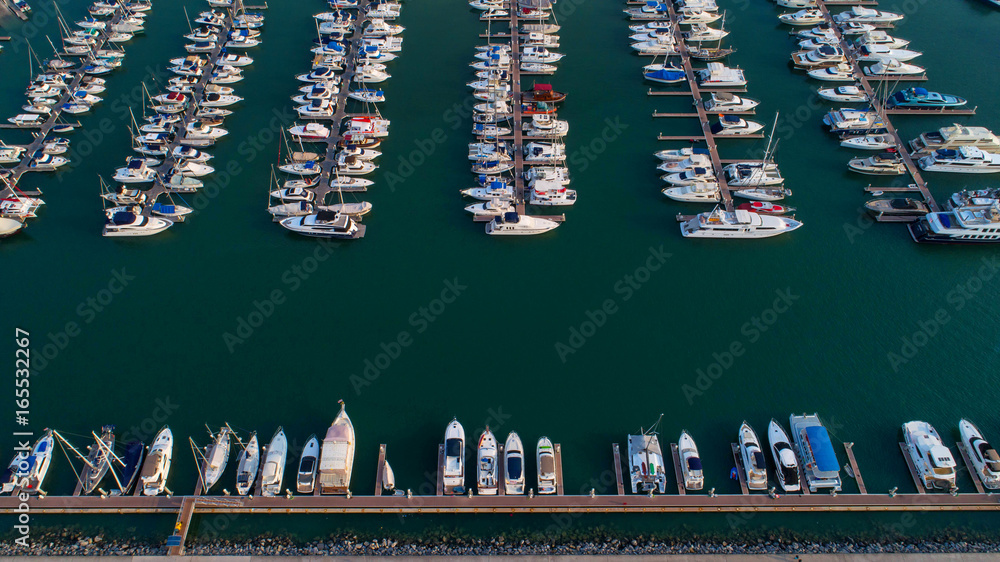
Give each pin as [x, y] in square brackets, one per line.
[514, 468]
[307, 464]
[453, 447]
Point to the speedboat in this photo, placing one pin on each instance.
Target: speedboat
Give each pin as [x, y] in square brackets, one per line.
[897, 207]
[877, 53]
[842, 72]
[803, 17]
[822, 57]
[984, 458]
[733, 125]
[846, 94]
[513, 459]
[754, 464]
[216, 458]
[969, 225]
[718, 74]
[305, 480]
[921, 97]
[765, 208]
[892, 67]
[690, 177]
[336, 459]
[695, 193]
[157, 466]
[720, 223]
[514, 224]
[647, 470]
[884, 164]
[726, 102]
[273, 470]
[964, 160]
[859, 14]
[453, 471]
[933, 460]
[246, 469]
[785, 464]
[98, 460]
[751, 174]
[691, 470]
[353, 166]
[545, 460]
[487, 472]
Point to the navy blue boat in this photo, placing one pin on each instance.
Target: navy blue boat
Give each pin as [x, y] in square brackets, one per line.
[921, 97]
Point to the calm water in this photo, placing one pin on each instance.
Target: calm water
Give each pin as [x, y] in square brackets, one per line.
[157, 351]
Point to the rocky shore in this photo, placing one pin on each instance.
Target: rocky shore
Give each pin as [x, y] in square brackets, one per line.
[64, 543]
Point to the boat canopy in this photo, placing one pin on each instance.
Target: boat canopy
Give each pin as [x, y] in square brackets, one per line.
[694, 463]
[822, 449]
[542, 87]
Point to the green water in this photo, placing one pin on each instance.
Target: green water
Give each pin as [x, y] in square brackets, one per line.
[491, 355]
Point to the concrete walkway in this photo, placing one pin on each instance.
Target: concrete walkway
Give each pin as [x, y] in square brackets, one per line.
[512, 558]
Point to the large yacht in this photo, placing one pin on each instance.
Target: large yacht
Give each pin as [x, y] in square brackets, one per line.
[487, 471]
[754, 464]
[972, 225]
[934, 462]
[955, 136]
[336, 460]
[786, 465]
[720, 223]
[514, 224]
[818, 459]
[325, 224]
[964, 160]
[983, 456]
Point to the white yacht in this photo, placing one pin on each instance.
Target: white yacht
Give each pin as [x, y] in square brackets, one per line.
[647, 470]
[881, 38]
[677, 154]
[859, 14]
[336, 460]
[785, 464]
[733, 125]
[983, 456]
[695, 193]
[877, 53]
[754, 463]
[869, 142]
[822, 57]
[892, 67]
[216, 458]
[273, 471]
[127, 223]
[970, 225]
[487, 465]
[453, 471]
[718, 74]
[305, 480]
[490, 190]
[809, 16]
[157, 466]
[491, 208]
[843, 72]
[955, 136]
[720, 223]
[550, 193]
[325, 224]
[752, 174]
[11, 154]
[545, 460]
[544, 125]
[247, 465]
[310, 131]
[513, 459]
[964, 160]
[726, 102]
[933, 460]
[659, 45]
[847, 94]
[544, 153]
[818, 460]
[10, 226]
[697, 160]
[514, 224]
[691, 470]
[690, 177]
[701, 32]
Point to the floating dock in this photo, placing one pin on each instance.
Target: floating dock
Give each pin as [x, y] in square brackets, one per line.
[849, 447]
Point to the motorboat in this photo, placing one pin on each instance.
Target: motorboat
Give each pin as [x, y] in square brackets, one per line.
[718, 74]
[11, 154]
[963, 160]
[921, 97]
[10, 226]
[983, 456]
[765, 208]
[216, 458]
[726, 102]
[537, 68]
[273, 470]
[752, 457]
[879, 37]
[305, 480]
[733, 125]
[492, 130]
[136, 170]
[293, 209]
[27, 120]
[651, 10]
[840, 73]
[336, 460]
[763, 193]
[690, 177]
[846, 94]
[971, 225]
[549, 193]
[821, 57]
[554, 173]
[955, 136]
[294, 194]
[796, 3]
[897, 207]
[179, 183]
[819, 464]
[368, 74]
[190, 154]
[809, 16]
[544, 153]
[155, 470]
[99, 459]
[647, 470]
[697, 160]
[697, 16]
[381, 28]
[972, 198]
[720, 223]
[219, 100]
[664, 73]
[246, 468]
[934, 462]
[678, 154]
[514, 224]
[752, 174]
[353, 166]
[892, 67]
[539, 55]
[854, 122]
[487, 472]
[490, 190]
[869, 142]
[200, 130]
[367, 95]
[544, 125]
[545, 460]
[700, 192]
[513, 458]
[691, 468]
[33, 471]
[883, 164]
[193, 169]
[878, 53]
[786, 465]
[859, 14]
[367, 127]
[660, 45]
[306, 168]
[453, 471]
[701, 32]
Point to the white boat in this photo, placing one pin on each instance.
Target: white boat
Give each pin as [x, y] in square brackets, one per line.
[691, 470]
[678, 154]
[487, 465]
[701, 192]
[718, 74]
[310, 131]
[514, 224]
[808, 16]
[933, 460]
[491, 208]
[513, 459]
[647, 470]
[539, 55]
[964, 160]
[36, 467]
[273, 471]
[796, 3]
[336, 459]
[967, 225]
[453, 471]
[786, 465]
[841, 73]
[126, 223]
[983, 456]
[752, 174]
[11, 154]
[754, 463]
[816, 456]
[847, 94]
[555, 173]
[216, 458]
[10, 226]
[869, 142]
[381, 28]
[697, 16]
[193, 169]
[219, 100]
[544, 125]
[544, 153]
[877, 53]
[27, 120]
[821, 57]
[550, 193]
[879, 37]
[388, 478]
[720, 223]
[656, 46]
[282, 211]
[352, 166]
[884, 164]
[695, 161]
[726, 102]
[157, 466]
[545, 460]
[246, 468]
[892, 67]
[955, 136]
[733, 125]
[859, 14]
[490, 190]
[700, 33]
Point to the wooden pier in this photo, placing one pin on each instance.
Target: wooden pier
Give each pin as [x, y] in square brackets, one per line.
[973, 473]
[678, 469]
[380, 470]
[917, 482]
[849, 447]
[738, 459]
[616, 453]
[559, 466]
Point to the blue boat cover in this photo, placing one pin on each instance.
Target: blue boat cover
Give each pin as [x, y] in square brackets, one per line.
[700, 151]
[694, 463]
[822, 449]
[918, 91]
[666, 75]
[730, 118]
[165, 209]
[511, 217]
[497, 185]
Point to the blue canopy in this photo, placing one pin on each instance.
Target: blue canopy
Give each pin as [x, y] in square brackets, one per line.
[918, 91]
[497, 185]
[822, 449]
[666, 74]
[165, 209]
[694, 463]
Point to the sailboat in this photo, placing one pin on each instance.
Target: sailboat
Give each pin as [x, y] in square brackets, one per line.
[99, 459]
[754, 177]
[645, 460]
[337, 455]
[216, 457]
[711, 53]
